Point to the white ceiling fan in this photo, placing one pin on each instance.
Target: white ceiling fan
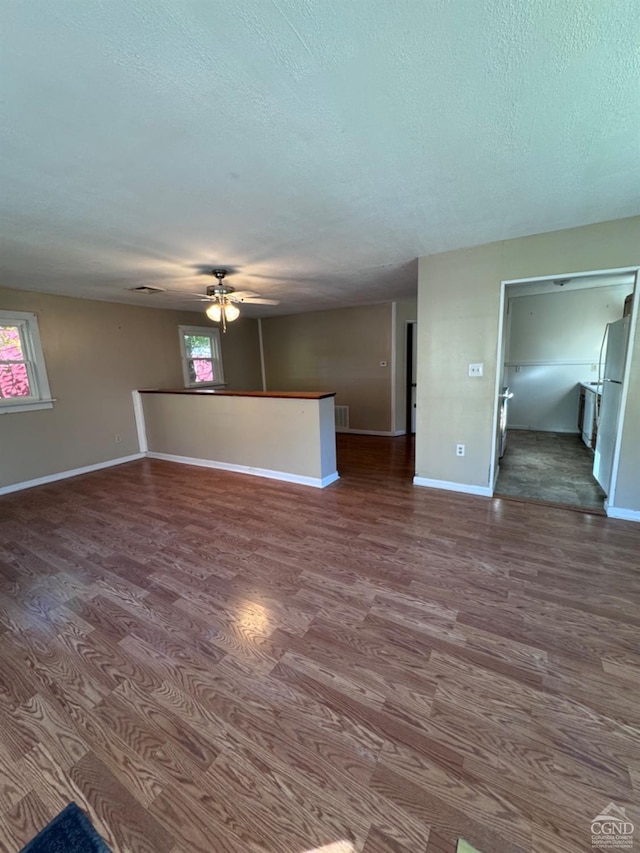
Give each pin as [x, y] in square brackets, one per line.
[224, 299]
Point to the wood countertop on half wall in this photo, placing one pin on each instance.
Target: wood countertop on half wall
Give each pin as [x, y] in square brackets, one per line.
[291, 395]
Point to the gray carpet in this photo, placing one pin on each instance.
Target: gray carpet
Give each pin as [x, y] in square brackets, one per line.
[70, 832]
[549, 466]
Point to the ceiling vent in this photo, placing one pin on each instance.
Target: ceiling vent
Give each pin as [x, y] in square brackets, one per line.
[147, 288]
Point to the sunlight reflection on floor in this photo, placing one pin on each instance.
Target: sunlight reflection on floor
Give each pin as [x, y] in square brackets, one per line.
[335, 847]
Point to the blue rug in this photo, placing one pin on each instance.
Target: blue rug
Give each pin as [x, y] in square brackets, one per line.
[69, 832]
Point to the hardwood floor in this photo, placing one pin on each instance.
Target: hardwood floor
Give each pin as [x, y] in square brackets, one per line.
[206, 661]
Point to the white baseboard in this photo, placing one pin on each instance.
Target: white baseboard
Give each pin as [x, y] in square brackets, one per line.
[389, 433]
[326, 481]
[63, 475]
[466, 488]
[563, 429]
[316, 482]
[496, 475]
[624, 514]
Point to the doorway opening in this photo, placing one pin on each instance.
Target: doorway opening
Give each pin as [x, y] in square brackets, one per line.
[561, 387]
[411, 373]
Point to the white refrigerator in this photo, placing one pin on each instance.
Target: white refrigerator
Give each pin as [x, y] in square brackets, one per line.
[617, 336]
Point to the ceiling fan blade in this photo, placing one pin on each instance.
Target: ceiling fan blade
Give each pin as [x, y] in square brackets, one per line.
[254, 301]
[243, 294]
[188, 294]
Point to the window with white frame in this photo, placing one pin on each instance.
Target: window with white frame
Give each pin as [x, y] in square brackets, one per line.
[23, 375]
[201, 356]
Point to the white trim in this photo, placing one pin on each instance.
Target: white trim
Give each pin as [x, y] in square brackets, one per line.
[331, 478]
[316, 482]
[624, 514]
[141, 427]
[530, 428]
[498, 384]
[545, 288]
[263, 370]
[466, 488]
[392, 364]
[8, 408]
[587, 274]
[6, 316]
[387, 432]
[559, 361]
[74, 472]
[625, 390]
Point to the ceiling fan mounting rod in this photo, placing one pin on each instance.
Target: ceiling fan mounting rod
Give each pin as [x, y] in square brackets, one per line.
[219, 289]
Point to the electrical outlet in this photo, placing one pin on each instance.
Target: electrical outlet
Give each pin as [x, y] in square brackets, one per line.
[518, 368]
[118, 438]
[476, 369]
[459, 449]
[594, 368]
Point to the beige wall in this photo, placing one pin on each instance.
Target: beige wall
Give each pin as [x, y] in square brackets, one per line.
[294, 438]
[458, 316]
[564, 325]
[406, 312]
[96, 353]
[338, 350]
[240, 354]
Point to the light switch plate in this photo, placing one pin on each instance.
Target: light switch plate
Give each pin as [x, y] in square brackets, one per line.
[476, 369]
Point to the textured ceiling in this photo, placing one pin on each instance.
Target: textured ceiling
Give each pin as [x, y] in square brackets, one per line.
[316, 146]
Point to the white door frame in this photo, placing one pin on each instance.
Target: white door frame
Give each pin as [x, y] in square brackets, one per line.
[493, 470]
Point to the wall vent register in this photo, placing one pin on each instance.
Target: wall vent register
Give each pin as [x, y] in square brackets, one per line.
[342, 417]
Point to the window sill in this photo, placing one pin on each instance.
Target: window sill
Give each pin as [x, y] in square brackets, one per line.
[7, 409]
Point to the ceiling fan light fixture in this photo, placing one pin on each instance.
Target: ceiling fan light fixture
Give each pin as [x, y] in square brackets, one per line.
[231, 312]
[223, 299]
[214, 313]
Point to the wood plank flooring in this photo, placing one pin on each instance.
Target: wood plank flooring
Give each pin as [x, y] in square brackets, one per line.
[207, 661]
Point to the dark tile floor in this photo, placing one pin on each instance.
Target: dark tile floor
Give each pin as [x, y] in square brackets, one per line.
[549, 466]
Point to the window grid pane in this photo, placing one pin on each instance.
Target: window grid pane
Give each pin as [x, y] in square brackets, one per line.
[201, 370]
[14, 380]
[198, 346]
[11, 348]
